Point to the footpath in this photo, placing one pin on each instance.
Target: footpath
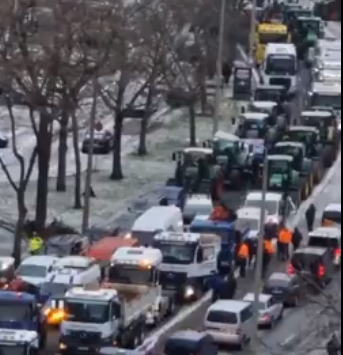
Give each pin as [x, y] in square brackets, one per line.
[143, 175]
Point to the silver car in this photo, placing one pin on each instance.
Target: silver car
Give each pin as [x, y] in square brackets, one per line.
[271, 311]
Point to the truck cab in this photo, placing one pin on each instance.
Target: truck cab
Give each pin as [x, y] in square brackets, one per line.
[134, 273]
[19, 342]
[189, 259]
[20, 311]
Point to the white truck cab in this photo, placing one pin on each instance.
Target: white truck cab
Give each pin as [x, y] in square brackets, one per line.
[326, 95]
[136, 270]
[189, 259]
[155, 220]
[21, 342]
[276, 205]
[249, 218]
[280, 65]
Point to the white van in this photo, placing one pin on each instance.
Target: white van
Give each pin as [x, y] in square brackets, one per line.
[280, 66]
[230, 322]
[155, 220]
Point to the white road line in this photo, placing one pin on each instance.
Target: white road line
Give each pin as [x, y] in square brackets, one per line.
[180, 317]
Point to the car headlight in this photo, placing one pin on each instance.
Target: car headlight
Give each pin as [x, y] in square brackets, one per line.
[189, 292]
[4, 266]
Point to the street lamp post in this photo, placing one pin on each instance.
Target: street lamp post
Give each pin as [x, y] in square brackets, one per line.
[260, 252]
[219, 67]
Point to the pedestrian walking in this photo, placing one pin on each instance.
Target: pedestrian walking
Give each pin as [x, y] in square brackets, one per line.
[268, 253]
[311, 217]
[297, 239]
[253, 246]
[243, 257]
[284, 241]
[334, 347]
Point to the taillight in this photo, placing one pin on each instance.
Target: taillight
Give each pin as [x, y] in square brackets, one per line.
[338, 253]
[321, 271]
[239, 331]
[290, 269]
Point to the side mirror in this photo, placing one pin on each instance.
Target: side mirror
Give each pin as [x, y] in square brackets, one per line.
[174, 156]
[233, 121]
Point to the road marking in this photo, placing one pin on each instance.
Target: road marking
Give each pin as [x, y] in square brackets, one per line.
[180, 317]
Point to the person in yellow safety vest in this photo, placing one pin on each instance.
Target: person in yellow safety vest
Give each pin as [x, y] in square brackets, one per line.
[243, 257]
[35, 244]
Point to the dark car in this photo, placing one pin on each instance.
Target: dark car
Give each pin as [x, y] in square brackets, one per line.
[289, 289]
[102, 145]
[190, 342]
[65, 245]
[173, 195]
[314, 265]
[3, 141]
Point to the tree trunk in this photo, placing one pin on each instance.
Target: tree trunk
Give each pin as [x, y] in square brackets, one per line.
[61, 185]
[192, 127]
[77, 188]
[142, 148]
[44, 139]
[19, 229]
[117, 173]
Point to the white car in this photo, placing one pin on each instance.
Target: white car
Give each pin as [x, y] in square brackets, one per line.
[270, 310]
[35, 269]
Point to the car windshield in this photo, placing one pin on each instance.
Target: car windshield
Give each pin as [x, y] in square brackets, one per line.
[277, 283]
[278, 166]
[130, 274]
[267, 95]
[306, 262]
[281, 65]
[265, 38]
[300, 136]
[180, 347]
[52, 288]
[177, 253]
[222, 317]
[253, 125]
[333, 216]
[15, 312]
[90, 312]
[12, 350]
[144, 237]
[57, 249]
[245, 223]
[323, 100]
[322, 242]
[262, 306]
[310, 26]
[223, 145]
[27, 270]
[271, 206]
[286, 150]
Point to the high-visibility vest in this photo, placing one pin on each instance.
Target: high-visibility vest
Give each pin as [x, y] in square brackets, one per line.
[268, 246]
[285, 236]
[36, 243]
[243, 251]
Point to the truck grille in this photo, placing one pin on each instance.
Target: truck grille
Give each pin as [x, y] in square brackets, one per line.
[172, 280]
[85, 338]
[286, 82]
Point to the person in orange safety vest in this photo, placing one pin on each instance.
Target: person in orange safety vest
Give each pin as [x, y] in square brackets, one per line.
[243, 257]
[284, 241]
[219, 213]
[268, 253]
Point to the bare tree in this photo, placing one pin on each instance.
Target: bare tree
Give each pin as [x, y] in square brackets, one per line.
[19, 183]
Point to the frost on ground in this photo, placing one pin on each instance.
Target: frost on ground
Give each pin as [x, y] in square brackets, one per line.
[142, 176]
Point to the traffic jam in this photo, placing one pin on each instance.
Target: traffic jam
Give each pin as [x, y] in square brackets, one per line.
[114, 295]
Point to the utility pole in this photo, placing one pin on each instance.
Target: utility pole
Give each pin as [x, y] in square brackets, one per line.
[88, 178]
[260, 252]
[219, 67]
[252, 38]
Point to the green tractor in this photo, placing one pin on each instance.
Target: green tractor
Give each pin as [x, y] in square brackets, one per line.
[329, 135]
[310, 137]
[233, 156]
[283, 177]
[195, 171]
[301, 163]
[307, 32]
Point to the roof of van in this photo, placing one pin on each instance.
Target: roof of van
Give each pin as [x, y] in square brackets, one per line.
[155, 218]
[229, 306]
[191, 335]
[280, 48]
[334, 207]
